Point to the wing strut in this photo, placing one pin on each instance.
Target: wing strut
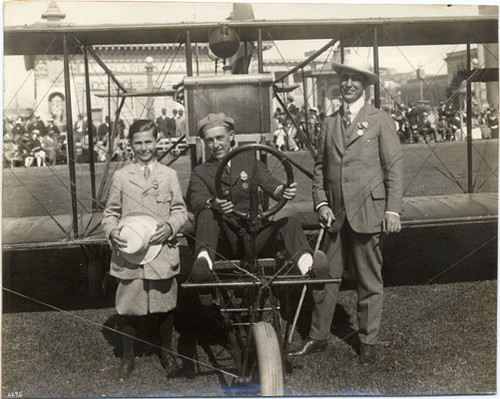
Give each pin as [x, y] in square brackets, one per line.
[90, 131]
[469, 121]
[376, 69]
[71, 145]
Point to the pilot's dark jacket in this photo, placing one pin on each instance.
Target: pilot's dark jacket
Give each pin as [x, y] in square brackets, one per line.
[211, 225]
[243, 170]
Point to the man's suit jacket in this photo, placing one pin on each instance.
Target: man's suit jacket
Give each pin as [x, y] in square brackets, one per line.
[161, 197]
[359, 172]
[244, 169]
[163, 124]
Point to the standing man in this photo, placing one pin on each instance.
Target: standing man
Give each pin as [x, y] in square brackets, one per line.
[180, 127]
[163, 122]
[147, 288]
[357, 193]
[172, 125]
[79, 127]
[104, 130]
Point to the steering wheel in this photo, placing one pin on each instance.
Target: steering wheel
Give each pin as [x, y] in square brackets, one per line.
[255, 147]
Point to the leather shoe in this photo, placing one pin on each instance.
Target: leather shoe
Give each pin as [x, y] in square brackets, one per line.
[367, 354]
[201, 271]
[125, 369]
[310, 346]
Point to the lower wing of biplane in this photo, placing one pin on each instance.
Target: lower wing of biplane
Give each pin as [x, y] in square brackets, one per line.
[52, 232]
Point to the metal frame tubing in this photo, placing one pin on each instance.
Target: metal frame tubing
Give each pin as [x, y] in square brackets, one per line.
[189, 55]
[70, 143]
[260, 58]
[90, 133]
[469, 122]
[376, 68]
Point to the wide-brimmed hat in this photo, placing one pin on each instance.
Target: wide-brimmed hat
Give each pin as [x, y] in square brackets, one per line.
[136, 229]
[214, 120]
[355, 63]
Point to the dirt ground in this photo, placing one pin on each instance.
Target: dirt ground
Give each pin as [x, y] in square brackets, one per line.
[438, 336]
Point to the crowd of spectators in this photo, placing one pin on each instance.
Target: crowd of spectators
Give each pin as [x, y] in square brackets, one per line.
[30, 142]
[419, 123]
[285, 123]
[415, 123]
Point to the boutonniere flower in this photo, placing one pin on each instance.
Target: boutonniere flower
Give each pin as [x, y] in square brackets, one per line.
[243, 176]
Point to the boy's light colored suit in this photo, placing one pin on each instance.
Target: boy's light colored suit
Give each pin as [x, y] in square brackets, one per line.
[161, 197]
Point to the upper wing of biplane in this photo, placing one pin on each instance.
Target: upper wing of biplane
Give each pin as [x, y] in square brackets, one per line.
[37, 39]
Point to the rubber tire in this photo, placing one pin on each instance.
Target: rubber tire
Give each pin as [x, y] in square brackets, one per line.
[268, 359]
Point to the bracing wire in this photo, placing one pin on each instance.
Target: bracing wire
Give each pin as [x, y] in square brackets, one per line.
[100, 325]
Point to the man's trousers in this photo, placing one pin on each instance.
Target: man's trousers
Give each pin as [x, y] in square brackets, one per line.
[364, 251]
[225, 236]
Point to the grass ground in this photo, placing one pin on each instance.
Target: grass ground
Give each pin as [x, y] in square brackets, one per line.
[437, 338]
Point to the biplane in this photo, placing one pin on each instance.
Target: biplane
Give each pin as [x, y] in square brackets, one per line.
[249, 98]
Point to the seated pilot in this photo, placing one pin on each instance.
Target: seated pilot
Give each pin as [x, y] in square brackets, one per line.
[217, 229]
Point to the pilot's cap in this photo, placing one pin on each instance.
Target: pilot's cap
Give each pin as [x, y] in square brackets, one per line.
[214, 120]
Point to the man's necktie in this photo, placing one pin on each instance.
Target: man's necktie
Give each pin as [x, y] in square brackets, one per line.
[147, 172]
[347, 117]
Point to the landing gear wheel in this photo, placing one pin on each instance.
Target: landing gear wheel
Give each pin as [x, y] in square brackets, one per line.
[267, 368]
[255, 147]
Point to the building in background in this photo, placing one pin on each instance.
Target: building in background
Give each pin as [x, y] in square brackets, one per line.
[134, 66]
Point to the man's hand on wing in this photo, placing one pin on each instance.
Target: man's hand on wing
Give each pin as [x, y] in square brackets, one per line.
[116, 240]
[162, 233]
[222, 205]
[391, 223]
[325, 216]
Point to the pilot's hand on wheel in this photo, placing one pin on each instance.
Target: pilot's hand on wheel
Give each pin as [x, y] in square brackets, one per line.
[325, 216]
[116, 240]
[290, 192]
[222, 205]
[391, 223]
